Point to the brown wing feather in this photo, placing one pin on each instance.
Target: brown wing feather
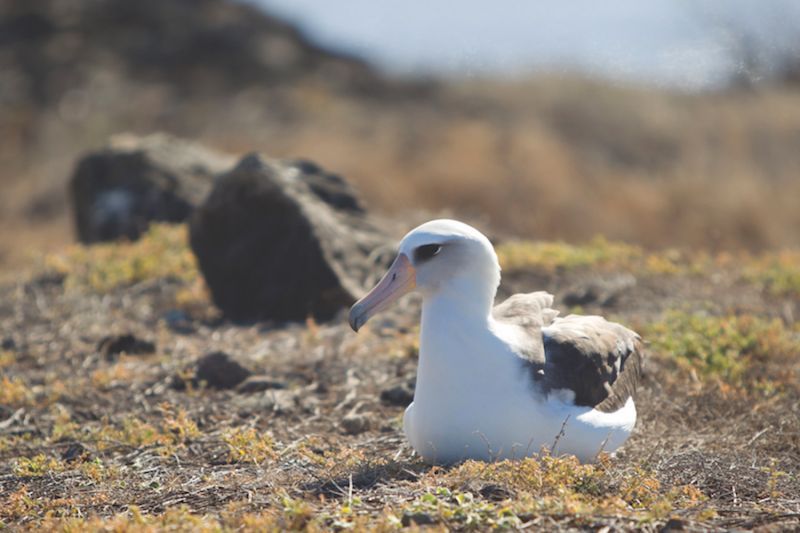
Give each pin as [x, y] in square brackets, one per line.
[529, 313]
[599, 361]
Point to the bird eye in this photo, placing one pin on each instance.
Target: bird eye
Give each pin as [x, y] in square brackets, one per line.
[427, 251]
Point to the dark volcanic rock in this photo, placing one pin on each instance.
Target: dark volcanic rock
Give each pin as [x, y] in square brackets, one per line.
[195, 46]
[113, 345]
[401, 395]
[219, 371]
[118, 190]
[354, 424]
[417, 519]
[74, 452]
[259, 384]
[285, 241]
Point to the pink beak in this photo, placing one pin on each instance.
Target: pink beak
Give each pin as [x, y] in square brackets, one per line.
[400, 279]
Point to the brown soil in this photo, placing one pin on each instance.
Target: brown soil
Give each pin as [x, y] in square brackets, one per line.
[740, 450]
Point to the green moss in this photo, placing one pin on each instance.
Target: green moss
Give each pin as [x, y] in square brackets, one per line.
[560, 255]
[248, 445]
[14, 392]
[778, 273]
[600, 253]
[462, 510]
[545, 485]
[38, 465]
[162, 252]
[722, 347]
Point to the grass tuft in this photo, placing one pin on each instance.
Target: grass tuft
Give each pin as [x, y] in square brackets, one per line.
[551, 256]
[725, 348]
[14, 392]
[248, 445]
[162, 252]
[778, 273]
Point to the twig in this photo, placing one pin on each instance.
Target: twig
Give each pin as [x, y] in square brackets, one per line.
[350, 491]
[560, 434]
[751, 441]
[13, 418]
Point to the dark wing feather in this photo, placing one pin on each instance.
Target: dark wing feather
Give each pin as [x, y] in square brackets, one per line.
[599, 361]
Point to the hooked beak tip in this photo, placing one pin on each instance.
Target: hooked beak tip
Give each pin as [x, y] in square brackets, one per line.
[400, 279]
[355, 319]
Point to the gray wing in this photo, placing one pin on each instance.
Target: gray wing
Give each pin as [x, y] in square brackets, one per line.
[527, 314]
[599, 361]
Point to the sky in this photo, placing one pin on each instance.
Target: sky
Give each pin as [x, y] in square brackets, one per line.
[692, 44]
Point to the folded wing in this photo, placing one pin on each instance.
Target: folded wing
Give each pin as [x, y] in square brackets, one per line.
[595, 362]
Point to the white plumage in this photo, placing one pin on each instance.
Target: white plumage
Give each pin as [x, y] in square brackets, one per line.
[505, 382]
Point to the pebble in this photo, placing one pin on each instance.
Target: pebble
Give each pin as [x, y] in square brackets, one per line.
[113, 345]
[401, 395]
[355, 424]
[220, 371]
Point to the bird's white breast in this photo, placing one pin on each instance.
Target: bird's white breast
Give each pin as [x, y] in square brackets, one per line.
[476, 399]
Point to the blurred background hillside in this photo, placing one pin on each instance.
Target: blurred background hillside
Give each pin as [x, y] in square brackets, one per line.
[659, 123]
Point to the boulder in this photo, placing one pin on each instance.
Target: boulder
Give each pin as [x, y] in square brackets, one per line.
[117, 191]
[285, 241]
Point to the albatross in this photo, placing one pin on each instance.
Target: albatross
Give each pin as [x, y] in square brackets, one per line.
[506, 381]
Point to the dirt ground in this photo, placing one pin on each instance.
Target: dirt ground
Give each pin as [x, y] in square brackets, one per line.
[99, 431]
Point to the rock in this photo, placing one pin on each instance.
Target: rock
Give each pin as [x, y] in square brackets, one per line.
[416, 519]
[219, 371]
[281, 402]
[495, 493]
[353, 424]
[218, 48]
[285, 241]
[401, 395]
[8, 344]
[111, 346]
[117, 191]
[330, 188]
[179, 322]
[75, 451]
[258, 384]
[674, 524]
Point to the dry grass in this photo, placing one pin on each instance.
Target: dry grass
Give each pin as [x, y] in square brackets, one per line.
[97, 445]
[735, 349]
[103, 267]
[549, 158]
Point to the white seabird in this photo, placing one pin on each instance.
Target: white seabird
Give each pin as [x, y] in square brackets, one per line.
[503, 382]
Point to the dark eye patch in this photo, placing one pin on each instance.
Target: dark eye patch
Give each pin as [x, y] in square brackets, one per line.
[426, 251]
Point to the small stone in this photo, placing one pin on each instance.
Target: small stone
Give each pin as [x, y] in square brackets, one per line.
[9, 344]
[401, 395]
[417, 519]
[113, 345]
[282, 402]
[674, 524]
[258, 384]
[355, 424]
[75, 451]
[495, 492]
[219, 371]
[179, 322]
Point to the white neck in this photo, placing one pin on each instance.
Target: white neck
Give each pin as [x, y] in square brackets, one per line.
[456, 341]
[462, 301]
